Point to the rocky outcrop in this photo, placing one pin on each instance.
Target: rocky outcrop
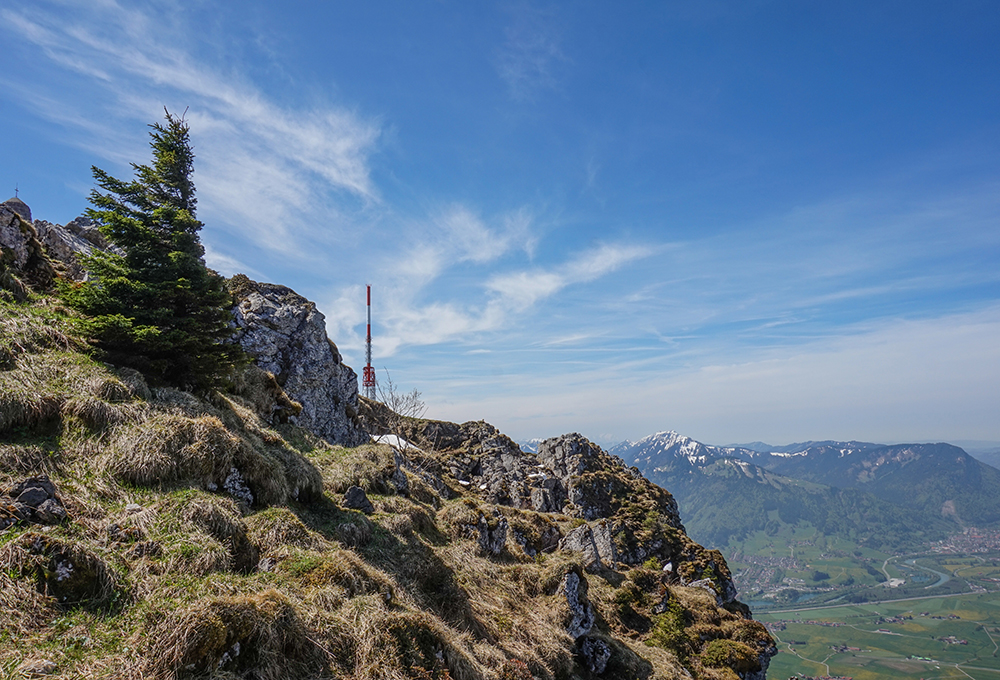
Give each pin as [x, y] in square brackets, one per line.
[68, 243]
[286, 335]
[595, 543]
[34, 500]
[14, 236]
[581, 617]
[20, 207]
[627, 519]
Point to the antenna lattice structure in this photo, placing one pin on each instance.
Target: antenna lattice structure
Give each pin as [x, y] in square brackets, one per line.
[369, 375]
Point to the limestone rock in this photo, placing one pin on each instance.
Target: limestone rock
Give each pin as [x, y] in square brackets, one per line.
[286, 335]
[65, 246]
[356, 499]
[37, 668]
[33, 500]
[492, 539]
[14, 236]
[21, 250]
[20, 207]
[50, 511]
[581, 613]
[596, 544]
[595, 653]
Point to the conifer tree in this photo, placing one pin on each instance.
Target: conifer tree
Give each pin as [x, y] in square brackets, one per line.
[154, 305]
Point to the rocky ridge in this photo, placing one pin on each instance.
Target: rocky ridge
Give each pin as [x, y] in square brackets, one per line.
[457, 556]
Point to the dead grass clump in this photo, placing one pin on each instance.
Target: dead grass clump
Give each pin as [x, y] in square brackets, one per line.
[275, 528]
[220, 519]
[340, 568]
[408, 645]
[29, 411]
[261, 391]
[99, 415]
[305, 483]
[169, 448]
[370, 466]
[261, 633]
[34, 329]
[22, 608]
[412, 516]
[193, 553]
[747, 631]
[25, 460]
[699, 603]
[65, 571]
[533, 531]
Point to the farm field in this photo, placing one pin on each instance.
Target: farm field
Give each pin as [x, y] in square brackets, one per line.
[953, 636]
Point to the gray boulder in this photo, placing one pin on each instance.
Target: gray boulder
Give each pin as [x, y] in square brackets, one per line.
[355, 498]
[595, 542]
[67, 247]
[14, 236]
[595, 653]
[286, 335]
[581, 613]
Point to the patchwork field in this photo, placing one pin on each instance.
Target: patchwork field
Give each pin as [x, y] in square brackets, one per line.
[932, 637]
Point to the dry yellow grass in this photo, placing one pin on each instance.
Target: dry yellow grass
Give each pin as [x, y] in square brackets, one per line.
[297, 585]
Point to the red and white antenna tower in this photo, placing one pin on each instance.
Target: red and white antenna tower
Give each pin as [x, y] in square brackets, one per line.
[369, 377]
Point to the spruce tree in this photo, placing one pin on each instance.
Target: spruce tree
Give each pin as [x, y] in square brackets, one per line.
[153, 305]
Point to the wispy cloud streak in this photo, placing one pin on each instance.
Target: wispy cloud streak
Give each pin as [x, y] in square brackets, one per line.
[260, 164]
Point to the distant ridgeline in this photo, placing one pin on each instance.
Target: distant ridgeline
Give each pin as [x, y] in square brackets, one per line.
[886, 497]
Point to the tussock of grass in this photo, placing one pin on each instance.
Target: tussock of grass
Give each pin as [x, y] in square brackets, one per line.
[67, 572]
[22, 608]
[261, 392]
[220, 519]
[369, 466]
[261, 632]
[25, 461]
[274, 528]
[174, 450]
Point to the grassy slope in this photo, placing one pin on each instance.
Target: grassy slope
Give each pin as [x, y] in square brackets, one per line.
[165, 581]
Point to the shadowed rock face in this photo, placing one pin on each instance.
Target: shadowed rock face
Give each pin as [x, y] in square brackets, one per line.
[286, 335]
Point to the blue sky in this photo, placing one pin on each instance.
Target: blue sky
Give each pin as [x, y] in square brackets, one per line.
[753, 220]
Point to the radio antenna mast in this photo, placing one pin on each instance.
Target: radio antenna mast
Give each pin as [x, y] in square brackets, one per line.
[369, 375]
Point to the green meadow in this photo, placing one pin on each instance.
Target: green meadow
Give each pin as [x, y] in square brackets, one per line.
[812, 641]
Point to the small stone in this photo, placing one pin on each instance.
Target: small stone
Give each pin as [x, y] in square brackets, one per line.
[20, 511]
[33, 497]
[35, 668]
[133, 508]
[595, 653]
[356, 499]
[40, 482]
[50, 512]
[464, 482]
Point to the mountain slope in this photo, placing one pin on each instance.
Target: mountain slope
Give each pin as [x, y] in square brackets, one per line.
[724, 498]
[150, 532]
[937, 478]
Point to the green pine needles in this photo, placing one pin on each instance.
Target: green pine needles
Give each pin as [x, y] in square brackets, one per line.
[154, 305]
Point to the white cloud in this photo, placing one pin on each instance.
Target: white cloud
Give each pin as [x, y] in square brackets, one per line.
[272, 174]
[896, 380]
[531, 52]
[520, 290]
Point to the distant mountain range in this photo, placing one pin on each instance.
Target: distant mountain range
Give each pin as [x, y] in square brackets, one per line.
[890, 497]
